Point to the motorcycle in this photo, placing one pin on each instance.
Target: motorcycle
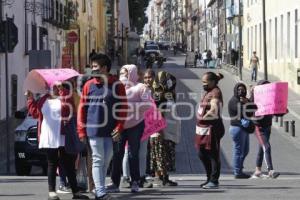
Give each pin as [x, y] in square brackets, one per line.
[175, 50]
[160, 61]
[150, 59]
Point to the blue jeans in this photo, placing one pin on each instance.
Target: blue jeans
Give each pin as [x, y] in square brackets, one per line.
[240, 148]
[102, 151]
[142, 159]
[254, 74]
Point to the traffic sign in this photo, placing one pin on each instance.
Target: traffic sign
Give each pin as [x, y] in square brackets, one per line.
[12, 35]
[72, 37]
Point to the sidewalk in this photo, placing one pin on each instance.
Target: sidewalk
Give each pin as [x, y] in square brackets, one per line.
[293, 105]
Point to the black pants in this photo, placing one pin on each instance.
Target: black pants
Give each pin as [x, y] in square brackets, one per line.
[133, 136]
[211, 162]
[68, 162]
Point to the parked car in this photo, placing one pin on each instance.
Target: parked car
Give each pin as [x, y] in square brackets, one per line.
[164, 45]
[27, 153]
[152, 49]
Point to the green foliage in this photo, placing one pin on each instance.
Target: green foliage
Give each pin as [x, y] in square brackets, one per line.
[137, 14]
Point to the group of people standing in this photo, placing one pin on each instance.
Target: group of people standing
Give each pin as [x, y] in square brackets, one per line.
[210, 130]
[110, 121]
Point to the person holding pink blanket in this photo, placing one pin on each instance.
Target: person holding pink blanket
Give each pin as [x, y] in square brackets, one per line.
[139, 101]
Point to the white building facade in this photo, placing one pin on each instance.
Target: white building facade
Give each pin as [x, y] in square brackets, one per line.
[41, 38]
[282, 31]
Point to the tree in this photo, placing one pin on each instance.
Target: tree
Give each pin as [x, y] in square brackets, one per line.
[137, 15]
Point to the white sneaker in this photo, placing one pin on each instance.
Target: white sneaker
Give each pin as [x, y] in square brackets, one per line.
[53, 196]
[273, 174]
[64, 190]
[134, 187]
[259, 176]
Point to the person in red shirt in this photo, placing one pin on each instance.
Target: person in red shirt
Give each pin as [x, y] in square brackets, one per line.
[54, 112]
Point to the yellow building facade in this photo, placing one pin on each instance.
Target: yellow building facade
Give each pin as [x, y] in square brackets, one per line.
[91, 30]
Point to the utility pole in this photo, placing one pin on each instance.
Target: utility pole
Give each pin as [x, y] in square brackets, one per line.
[265, 40]
[225, 24]
[122, 42]
[206, 47]
[240, 41]
[171, 24]
[7, 98]
[1, 3]
[218, 12]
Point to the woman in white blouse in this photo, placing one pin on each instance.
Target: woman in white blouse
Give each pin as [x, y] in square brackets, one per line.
[54, 112]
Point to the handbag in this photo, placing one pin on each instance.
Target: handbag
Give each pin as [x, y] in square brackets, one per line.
[202, 131]
[248, 125]
[203, 137]
[173, 129]
[81, 174]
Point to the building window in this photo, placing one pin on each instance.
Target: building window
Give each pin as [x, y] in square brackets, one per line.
[43, 33]
[281, 37]
[52, 8]
[252, 40]
[61, 13]
[270, 38]
[288, 34]
[260, 40]
[83, 6]
[33, 37]
[276, 39]
[248, 43]
[255, 42]
[296, 33]
[57, 12]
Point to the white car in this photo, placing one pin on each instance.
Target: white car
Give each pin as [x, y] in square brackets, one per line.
[152, 49]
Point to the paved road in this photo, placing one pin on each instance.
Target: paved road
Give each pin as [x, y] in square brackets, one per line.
[190, 172]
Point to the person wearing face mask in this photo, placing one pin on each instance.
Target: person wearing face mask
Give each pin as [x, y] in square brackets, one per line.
[143, 152]
[55, 112]
[210, 129]
[239, 108]
[139, 101]
[162, 155]
[101, 116]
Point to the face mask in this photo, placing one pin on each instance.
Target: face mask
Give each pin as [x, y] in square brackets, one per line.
[124, 80]
[205, 88]
[96, 73]
[242, 94]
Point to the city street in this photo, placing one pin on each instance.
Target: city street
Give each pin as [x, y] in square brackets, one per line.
[190, 172]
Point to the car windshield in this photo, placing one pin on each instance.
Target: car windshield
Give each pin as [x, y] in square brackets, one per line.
[152, 47]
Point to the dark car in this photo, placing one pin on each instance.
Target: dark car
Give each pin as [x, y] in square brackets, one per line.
[27, 152]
